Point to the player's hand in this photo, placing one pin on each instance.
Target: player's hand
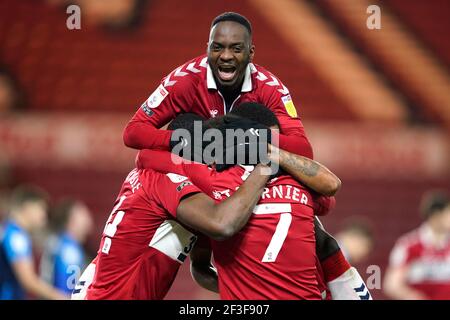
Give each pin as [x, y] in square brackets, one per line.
[245, 142]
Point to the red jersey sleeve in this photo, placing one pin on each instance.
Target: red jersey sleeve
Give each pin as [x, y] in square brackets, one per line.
[292, 137]
[165, 162]
[170, 189]
[158, 160]
[173, 96]
[323, 204]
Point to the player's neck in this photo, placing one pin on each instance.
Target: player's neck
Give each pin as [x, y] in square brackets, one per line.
[438, 235]
[230, 93]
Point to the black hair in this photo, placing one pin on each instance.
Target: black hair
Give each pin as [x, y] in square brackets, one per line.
[26, 194]
[185, 121]
[434, 202]
[235, 17]
[256, 112]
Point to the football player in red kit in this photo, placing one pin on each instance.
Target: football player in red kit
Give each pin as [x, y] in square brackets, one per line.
[326, 245]
[143, 244]
[261, 261]
[212, 84]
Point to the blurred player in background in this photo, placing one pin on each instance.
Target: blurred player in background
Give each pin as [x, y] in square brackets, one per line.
[18, 277]
[419, 266]
[356, 240]
[63, 257]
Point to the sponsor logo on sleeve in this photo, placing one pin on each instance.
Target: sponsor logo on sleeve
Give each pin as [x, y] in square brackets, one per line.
[157, 97]
[183, 185]
[146, 109]
[289, 105]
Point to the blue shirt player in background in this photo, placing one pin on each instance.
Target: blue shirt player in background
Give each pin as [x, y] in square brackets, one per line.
[27, 213]
[63, 258]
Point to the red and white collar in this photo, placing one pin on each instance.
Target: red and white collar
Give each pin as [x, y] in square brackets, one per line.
[246, 86]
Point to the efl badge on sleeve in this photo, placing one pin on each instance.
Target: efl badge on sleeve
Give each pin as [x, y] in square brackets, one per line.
[289, 105]
[157, 97]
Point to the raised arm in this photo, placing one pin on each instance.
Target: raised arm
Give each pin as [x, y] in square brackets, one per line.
[222, 220]
[165, 162]
[309, 172]
[141, 133]
[143, 130]
[292, 136]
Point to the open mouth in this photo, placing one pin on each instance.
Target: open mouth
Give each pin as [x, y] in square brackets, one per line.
[226, 73]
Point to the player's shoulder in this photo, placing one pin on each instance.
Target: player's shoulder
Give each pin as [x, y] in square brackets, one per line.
[265, 81]
[14, 231]
[16, 239]
[189, 73]
[406, 248]
[410, 239]
[160, 181]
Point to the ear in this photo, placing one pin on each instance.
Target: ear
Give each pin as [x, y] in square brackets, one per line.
[252, 52]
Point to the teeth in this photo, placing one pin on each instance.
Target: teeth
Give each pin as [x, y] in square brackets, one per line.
[227, 74]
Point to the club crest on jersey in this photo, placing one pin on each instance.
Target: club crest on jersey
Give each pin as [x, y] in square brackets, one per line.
[289, 105]
[146, 109]
[213, 113]
[218, 195]
[157, 97]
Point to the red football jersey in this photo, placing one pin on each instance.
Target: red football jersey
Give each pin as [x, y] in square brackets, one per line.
[274, 255]
[428, 265]
[192, 88]
[142, 246]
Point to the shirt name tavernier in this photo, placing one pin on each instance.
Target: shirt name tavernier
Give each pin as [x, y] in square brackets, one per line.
[282, 192]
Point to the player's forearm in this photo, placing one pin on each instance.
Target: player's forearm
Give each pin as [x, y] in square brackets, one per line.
[235, 211]
[297, 144]
[205, 276]
[161, 161]
[143, 135]
[309, 172]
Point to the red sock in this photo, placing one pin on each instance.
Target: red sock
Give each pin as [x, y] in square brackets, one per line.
[334, 266]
